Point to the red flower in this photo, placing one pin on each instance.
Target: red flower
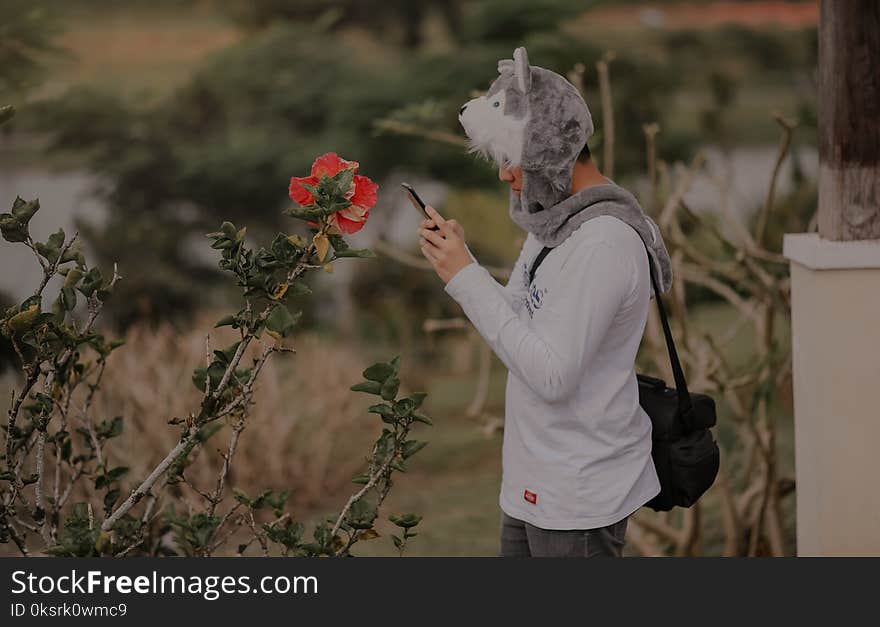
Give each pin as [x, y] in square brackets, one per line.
[362, 192]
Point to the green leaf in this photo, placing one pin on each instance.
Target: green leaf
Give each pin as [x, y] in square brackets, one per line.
[229, 230]
[422, 419]
[361, 514]
[74, 253]
[199, 378]
[298, 289]
[117, 472]
[68, 298]
[389, 388]
[52, 248]
[361, 479]
[228, 353]
[72, 277]
[225, 321]
[360, 253]
[398, 465]
[305, 213]
[24, 320]
[7, 112]
[91, 282]
[112, 429]
[281, 321]
[383, 409]
[370, 387]
[25, 210]
[417, 398]
[338, 243]
[12, 229]
[343, 180]
[405, 521]
[104, 480]
[403, 407]
[378, 372]
[411, 447]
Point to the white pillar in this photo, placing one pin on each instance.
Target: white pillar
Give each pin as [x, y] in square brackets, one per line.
[835, 288]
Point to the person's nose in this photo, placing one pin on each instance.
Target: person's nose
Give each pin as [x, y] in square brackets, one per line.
[463, 107]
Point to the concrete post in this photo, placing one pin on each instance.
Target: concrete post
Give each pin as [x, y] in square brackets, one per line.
[835, 284]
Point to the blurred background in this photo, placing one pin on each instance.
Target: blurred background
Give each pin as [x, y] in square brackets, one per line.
[144, 124]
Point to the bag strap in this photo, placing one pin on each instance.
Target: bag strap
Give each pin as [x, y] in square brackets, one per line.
[685, 404]
[537, 262]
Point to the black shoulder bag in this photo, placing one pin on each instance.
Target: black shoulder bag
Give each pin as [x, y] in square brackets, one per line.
[685, 454]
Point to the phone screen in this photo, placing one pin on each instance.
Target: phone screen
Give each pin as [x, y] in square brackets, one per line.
[416, 201]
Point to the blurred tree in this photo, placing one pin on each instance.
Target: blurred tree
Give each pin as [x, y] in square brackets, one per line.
[227, 143]
[27, 29]
[511, 21]
[405, 16]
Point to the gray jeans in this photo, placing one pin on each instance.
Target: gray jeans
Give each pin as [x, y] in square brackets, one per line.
[520, 539]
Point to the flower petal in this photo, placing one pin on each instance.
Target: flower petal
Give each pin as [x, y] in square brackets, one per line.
[330, 164]
[355, 212]
[364, 192]
[300, 194]
[350, 226]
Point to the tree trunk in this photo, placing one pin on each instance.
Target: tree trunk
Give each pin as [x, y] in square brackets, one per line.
[849, 119]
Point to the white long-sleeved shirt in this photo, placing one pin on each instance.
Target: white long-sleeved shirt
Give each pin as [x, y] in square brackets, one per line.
[577, 444]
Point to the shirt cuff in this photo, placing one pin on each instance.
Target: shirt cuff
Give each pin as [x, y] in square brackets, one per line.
[464, 280]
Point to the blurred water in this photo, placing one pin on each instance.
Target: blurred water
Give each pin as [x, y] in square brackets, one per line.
[746, 174]
[63, 197]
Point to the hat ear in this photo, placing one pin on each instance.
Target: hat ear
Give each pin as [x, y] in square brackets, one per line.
[521, 70]
[505, 65]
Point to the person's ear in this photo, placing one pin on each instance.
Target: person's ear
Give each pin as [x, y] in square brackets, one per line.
[521, 70]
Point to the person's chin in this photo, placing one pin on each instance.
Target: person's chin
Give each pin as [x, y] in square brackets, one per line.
[517, 192]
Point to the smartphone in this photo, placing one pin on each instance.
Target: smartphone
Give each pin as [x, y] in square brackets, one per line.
[416, 201]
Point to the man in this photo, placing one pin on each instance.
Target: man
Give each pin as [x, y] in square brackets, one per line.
[577, 445]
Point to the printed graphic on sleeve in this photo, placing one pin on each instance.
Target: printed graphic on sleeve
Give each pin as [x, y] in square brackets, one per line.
[535, 294]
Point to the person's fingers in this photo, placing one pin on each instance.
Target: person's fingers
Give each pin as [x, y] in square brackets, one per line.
[428, 252]
[438, 220]
[427, 223]
[456, 227]
[434, 238]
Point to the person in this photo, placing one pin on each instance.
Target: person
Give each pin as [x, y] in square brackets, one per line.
[576, 457]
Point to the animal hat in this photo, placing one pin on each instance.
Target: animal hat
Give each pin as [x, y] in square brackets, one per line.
[534, 119]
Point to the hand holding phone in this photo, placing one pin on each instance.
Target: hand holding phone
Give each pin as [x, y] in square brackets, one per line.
[417, 202]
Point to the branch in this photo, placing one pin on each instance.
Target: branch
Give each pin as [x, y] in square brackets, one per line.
[207, 405]
[784, 144]
[50, 271]
[403, 128]
[382, 471]
[607, 114]
[419, 263]
[142, 490]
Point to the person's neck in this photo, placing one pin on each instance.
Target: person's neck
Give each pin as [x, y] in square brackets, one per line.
[584, 175]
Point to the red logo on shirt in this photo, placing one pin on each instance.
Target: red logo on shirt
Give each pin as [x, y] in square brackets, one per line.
[531, 497]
